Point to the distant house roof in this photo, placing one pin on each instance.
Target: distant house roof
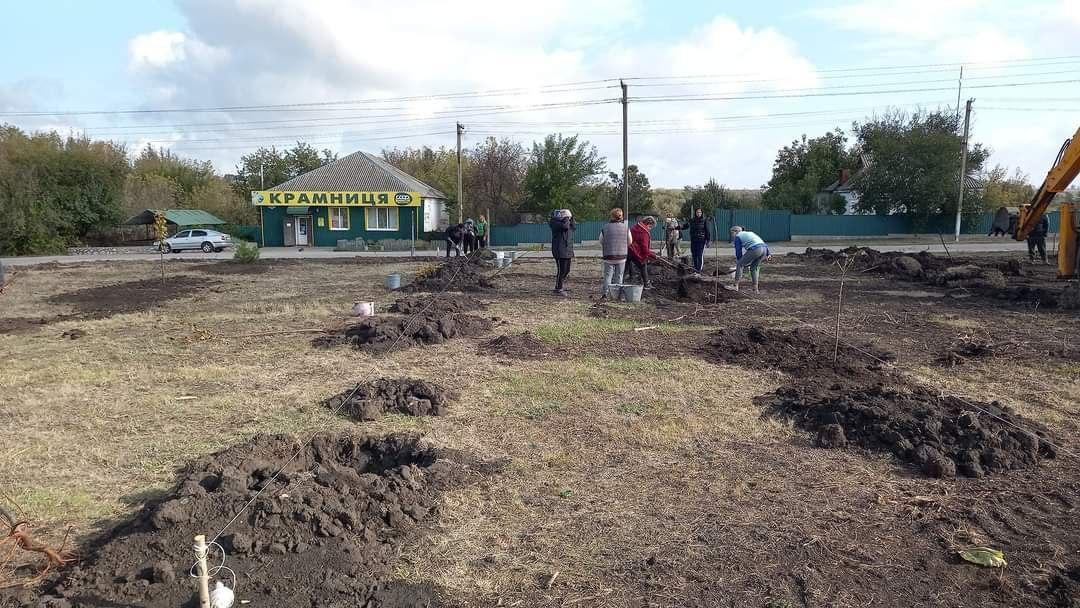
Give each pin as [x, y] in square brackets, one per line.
[179, 217]
[359, 172]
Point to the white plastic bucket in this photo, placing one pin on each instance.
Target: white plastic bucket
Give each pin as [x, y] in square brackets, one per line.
[630, 293]
[498, 255]
[363, 309]
[393, 281]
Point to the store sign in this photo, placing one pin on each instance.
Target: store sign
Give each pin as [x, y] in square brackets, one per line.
[275, 198]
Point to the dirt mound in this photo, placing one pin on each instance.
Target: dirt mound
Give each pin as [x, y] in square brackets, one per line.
[134, 296]
[326, 532]
[801, 352]
[943, 436]
[381, 334]
[682, 284]
[370, 400]
[963, 351]
[14, 325]
[523, 345]
[438, 305]
[456, 274]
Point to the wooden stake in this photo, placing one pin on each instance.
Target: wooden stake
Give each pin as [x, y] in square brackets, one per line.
[204, 578]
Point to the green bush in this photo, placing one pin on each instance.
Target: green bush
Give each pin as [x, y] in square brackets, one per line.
[374, 246]
[246, 252]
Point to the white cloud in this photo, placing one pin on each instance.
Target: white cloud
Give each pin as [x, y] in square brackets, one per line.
[157, 49]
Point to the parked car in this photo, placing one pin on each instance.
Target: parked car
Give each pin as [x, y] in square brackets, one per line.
[207, 240]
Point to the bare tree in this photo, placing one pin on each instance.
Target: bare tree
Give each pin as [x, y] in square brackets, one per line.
[495, 181]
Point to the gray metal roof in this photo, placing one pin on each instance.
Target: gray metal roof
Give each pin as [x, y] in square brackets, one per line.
[359, 172]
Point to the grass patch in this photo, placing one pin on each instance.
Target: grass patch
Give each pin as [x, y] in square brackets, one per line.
[635, 409]
[582, 331]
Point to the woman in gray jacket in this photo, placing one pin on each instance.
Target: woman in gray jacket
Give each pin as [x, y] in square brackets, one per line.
[614, 240]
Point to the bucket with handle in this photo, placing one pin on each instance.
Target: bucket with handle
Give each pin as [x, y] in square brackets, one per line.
[499, 255]
[393, 281]
[630, 293]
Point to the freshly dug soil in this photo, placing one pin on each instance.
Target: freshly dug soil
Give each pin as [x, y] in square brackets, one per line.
[381, 334]
[682, 284]
[801, 352]
[456, 274]
[403, 395]
[436, 305]
[942, 436]
[523, 345]
[326, 532]
[134, 296]
[963, 351]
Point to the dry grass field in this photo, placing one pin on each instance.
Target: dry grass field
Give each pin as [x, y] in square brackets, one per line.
[639, 474]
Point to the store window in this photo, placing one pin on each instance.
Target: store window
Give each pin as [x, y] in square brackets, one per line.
[382, 218]
[339, 218]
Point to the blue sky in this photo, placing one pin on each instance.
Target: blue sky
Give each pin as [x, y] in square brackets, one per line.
[783, 56]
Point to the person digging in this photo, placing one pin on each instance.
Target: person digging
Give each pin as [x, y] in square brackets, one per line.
[640, 250]
[750, 252]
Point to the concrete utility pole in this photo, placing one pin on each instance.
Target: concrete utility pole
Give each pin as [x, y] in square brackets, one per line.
[460, 198]
[963, 167]
[625, 156]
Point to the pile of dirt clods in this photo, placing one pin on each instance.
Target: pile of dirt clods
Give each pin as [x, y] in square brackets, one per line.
[326, 532]
[423, 304]
[944, 436]
[433, 322]
[921, 267]
[370, 400]
[463, 273]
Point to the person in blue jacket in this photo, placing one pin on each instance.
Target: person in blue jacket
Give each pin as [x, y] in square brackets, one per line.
[750, 252]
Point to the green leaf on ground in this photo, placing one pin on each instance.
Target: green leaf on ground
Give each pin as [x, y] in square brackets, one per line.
[984, 556]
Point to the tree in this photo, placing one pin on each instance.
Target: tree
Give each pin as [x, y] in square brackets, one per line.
[668, 202]
[641, 199]
[185, 174]
[495, 177]
[803, 169]
[1000, 190]
[914, 165]
[437, 168]
[563, 173]
[268, 167]
[54, 191]
[710, 197]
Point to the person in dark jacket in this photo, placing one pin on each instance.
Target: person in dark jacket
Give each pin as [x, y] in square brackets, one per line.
[615, 242]
[455, 238]
[699, 237]
[562, 246]
[640, 250]
[1037, 239]
[1001, 222]
[470, 239]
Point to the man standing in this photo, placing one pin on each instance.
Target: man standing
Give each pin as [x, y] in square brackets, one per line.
[699, 237]
[750, 252]
[1037, 239]
[615, 241]
[671, 238]
[481, 232]
[640, 251]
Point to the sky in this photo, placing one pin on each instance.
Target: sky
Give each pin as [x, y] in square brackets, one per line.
[715, 87]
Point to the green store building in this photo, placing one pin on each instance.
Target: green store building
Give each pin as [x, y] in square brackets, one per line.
[359, 195]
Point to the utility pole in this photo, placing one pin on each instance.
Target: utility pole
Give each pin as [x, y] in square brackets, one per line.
[262, 177]
[959, 88]
[460, 201]
[963, 166]
[625, 156]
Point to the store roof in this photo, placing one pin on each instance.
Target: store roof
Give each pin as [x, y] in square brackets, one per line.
[179, 217]
[358, 172]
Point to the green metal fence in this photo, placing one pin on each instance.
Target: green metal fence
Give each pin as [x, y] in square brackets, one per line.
[774, 226]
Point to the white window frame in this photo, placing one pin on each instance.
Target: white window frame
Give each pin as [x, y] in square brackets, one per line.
[330, 219]
[391, 213]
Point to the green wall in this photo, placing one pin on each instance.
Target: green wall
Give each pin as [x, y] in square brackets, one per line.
[272, 218]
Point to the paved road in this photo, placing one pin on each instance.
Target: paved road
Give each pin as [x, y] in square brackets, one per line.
[1001, 245]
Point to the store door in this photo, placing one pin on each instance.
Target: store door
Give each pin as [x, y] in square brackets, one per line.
[289, 227]
[303, 230]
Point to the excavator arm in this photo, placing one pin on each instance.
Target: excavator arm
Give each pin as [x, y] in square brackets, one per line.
[1065, 169]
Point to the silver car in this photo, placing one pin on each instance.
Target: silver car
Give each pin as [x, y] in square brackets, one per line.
[198, 238]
